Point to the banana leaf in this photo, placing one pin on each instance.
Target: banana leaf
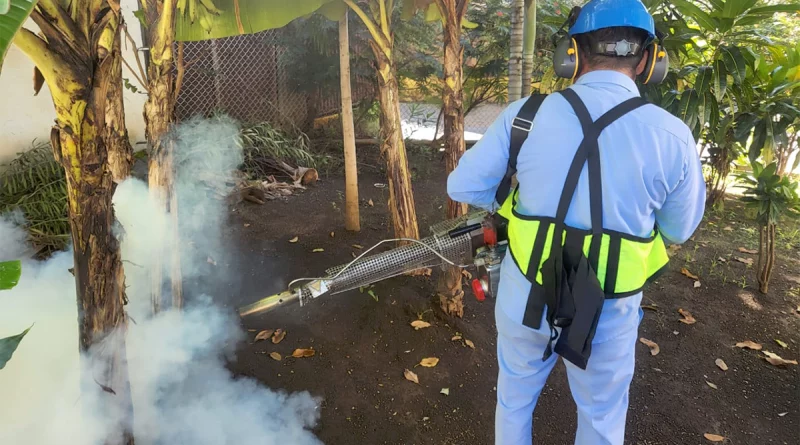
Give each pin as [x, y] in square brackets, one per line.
[11, 21]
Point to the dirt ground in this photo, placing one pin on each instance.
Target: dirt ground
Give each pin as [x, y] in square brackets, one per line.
[363, 344]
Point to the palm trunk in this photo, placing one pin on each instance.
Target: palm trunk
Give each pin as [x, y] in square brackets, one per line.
[528, 46]
[401, 197]
[352, 220]
[515, 59]
[159, 113]
[451, 295]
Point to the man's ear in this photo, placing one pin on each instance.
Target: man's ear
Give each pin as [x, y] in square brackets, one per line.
[642, 63]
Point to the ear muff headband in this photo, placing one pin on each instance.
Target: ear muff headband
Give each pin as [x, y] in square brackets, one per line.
[574, 48]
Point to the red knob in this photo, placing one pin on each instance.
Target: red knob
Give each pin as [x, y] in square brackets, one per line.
[477, 289]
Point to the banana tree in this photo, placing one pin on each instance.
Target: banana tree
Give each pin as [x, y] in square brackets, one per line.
[715, 46]
[77, 54]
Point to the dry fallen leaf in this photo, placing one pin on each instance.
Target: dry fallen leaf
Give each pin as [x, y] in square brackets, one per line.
[722, 260]
[687, 317]
[728, 229]
[333, 234]
[371, 204]
[318, 250]
[750, 251]
[294, 240]
[247, 224]
[748, 261]
[776, 360]
[358, 246]
[781, 343]
[749, 345]
[280, 334]
[469, 343]
[711, 385]
[654, 349]
[410, 376]
[686, 272]
[782, 414]
[301, 353]
[650, 307]
[713, 437]
[445, 391]
[466, 274]
[275, 356]
[721, 364]
[696, 284]
[263, 335]
[456, 338]
[429, 362]
[419, 324]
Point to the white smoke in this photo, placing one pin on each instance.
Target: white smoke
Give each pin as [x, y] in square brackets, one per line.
[182, 392]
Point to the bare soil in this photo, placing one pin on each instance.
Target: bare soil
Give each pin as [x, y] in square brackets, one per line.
[363, 344]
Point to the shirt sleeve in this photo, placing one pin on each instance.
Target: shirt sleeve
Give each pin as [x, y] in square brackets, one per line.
[683, 210]
[482, 167]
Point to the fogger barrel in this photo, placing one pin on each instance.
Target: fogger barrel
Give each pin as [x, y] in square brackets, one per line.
[455, 240]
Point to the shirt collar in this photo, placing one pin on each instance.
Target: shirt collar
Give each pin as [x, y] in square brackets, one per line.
[608, 76]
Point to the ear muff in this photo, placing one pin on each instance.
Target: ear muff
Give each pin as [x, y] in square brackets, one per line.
[657, 65]
[565, 58]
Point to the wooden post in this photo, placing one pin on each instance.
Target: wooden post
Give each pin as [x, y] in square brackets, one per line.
[352, 220]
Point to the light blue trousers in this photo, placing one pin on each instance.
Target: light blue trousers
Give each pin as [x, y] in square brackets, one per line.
[600, 392]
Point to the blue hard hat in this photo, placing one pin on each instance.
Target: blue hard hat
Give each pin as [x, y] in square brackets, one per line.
[599, 14]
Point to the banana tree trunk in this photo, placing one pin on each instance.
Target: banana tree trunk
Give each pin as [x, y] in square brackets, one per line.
[393, 149]
[451, 294]
[82, 145]
[528, 46]
[352, 220]
[159, 113]
[515, 59]
[120, 154]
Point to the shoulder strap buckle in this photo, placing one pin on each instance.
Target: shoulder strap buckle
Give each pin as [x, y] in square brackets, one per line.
[522, 124]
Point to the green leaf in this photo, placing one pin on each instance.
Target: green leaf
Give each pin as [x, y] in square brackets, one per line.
[467, 24]
[744, 124]
[8, 345]
[5, 6]
[769, 10]
[703, 80]
[139, 14]
[333, 11]
[720, 80]
[687, 108]
[733, 8]
[254, 16]
[701, 17]
[10, 271]
[759, 138]
[735, 62]
[11, 21]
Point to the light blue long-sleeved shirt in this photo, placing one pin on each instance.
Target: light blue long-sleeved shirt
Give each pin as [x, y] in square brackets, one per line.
[651, 173]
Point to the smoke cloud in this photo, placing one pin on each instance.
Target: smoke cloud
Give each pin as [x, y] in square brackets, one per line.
[182, 392]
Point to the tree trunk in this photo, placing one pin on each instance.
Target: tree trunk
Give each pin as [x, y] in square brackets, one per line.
[352, 220]
[159, 113]
[81, 144]
[401, 196]
[120, 154]
[528, 46]
[766, 257]
[451, 295]
[515, 59]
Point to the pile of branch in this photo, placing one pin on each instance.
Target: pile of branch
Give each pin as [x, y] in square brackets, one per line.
[258, 192]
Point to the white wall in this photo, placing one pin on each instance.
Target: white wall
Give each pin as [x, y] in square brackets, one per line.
[25, 117]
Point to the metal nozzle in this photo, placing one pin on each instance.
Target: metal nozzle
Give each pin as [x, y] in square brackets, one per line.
[269, 303]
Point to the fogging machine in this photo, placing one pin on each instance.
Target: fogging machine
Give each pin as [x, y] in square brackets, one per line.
[477, 240]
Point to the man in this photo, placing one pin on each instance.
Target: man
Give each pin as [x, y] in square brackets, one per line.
[651, 177]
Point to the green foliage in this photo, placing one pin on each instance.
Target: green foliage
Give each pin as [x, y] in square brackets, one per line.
[235, 17]
[8, 345]
[263, 144]
[10, 272]
[13, 14]
[769, 194]
[34, 184]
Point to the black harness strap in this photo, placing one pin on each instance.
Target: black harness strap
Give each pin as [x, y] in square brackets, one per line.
[520, 128]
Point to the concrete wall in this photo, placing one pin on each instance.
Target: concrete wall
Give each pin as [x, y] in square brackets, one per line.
[25, 117]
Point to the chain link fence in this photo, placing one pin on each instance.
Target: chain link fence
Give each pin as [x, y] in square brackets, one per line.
[244, 76]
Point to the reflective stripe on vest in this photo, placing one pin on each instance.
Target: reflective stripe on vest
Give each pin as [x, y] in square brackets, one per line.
[631, 261]
[623, 263]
